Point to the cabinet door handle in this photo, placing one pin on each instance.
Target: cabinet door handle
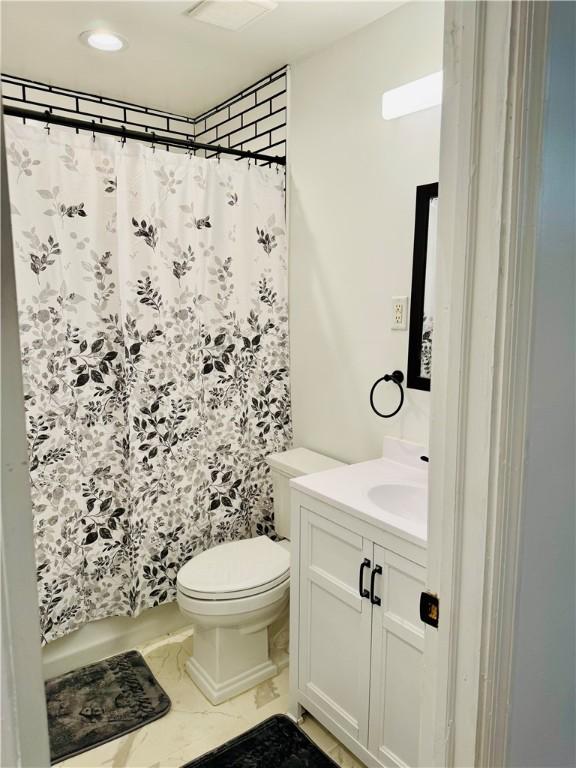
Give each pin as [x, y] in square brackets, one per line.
[361, 590]
[374, 599]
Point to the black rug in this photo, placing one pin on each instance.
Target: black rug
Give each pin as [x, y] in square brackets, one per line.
[101, 702]
[276, 743]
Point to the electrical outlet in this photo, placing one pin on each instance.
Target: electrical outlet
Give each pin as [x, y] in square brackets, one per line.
[399, 313]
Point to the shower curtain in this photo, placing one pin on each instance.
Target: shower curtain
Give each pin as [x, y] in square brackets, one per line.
[152, 291]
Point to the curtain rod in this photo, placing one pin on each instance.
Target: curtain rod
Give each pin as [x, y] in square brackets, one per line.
[126, 133]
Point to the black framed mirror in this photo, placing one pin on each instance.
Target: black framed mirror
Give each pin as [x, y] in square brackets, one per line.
[422, 297]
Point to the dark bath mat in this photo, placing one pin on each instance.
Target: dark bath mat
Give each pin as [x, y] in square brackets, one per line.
[276, 743]
[101, 702]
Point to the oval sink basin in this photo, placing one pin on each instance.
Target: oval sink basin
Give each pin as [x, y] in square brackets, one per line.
[402, 500]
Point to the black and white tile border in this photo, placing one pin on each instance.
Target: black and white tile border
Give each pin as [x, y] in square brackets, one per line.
[254, 119]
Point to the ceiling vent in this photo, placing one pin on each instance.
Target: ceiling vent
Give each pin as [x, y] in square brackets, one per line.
[230, 14]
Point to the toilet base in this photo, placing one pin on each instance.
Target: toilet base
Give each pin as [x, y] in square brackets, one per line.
[226, 662]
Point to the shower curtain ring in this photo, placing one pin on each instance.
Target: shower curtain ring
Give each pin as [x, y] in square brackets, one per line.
[153, 142]
[93, 131]
[47, 126]
[123, 139]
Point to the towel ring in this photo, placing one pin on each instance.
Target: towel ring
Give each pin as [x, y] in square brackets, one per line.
[397, 377]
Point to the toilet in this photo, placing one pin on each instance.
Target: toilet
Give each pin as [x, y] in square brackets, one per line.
[233, 592]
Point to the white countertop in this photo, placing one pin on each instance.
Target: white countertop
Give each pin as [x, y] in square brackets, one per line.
[351, 487]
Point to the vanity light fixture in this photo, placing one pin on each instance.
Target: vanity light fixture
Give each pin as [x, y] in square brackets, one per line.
[103, 40]
[413, 97]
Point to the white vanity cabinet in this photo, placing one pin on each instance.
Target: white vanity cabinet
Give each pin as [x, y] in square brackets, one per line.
[356, 652]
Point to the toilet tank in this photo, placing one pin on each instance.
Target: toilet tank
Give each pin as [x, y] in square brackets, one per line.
[283, 467]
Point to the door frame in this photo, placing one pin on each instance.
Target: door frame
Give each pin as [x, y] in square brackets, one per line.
[495, 57]
[24, 722]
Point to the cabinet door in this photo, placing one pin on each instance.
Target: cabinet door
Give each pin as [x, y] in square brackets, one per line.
[397, 648]
[335, 622]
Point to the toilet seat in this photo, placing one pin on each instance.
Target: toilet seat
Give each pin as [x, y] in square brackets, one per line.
[237, 569]
[229, 612]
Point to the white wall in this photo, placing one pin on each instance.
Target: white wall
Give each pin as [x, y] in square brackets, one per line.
[543, 716]
[353, 179]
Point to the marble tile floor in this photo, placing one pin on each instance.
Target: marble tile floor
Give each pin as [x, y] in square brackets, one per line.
[193, 726]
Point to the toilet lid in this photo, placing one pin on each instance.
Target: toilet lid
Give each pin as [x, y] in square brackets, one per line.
[236, 569]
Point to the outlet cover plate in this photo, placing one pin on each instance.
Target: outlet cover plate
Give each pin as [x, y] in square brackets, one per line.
[399, 313]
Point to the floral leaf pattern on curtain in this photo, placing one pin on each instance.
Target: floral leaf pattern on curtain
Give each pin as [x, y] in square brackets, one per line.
[152, 292]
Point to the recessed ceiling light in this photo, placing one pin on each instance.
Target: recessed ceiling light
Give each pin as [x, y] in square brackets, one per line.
[230, 14]
[413, 97]
[102, 40]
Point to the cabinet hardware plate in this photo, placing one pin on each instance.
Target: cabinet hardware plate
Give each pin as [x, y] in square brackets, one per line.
[429, 609]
